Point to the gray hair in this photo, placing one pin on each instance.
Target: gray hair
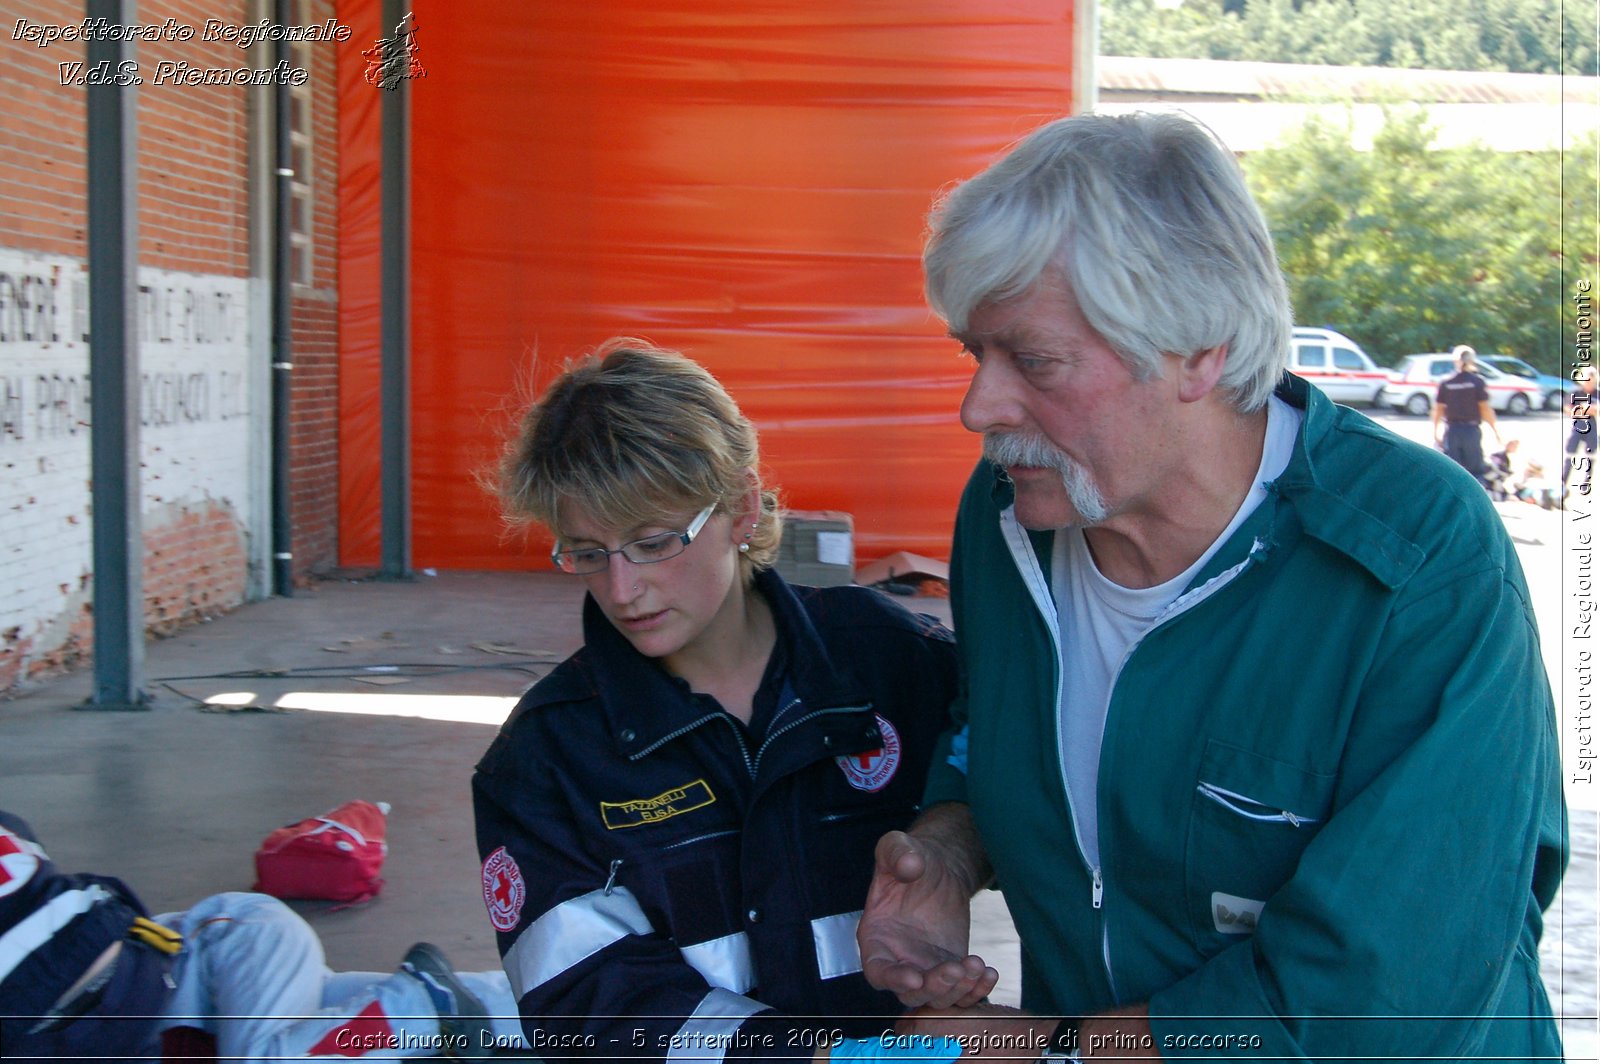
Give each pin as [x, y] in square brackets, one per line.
[1147, 219]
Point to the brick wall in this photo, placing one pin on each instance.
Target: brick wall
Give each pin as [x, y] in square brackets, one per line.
[203, 394]
[42, 176]
[194, 193]
[42, 172]
[314, 442]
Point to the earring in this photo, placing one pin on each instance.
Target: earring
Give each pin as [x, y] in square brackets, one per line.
[744, 548]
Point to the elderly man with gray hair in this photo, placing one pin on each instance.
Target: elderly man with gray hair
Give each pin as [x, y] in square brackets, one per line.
[1254, 733]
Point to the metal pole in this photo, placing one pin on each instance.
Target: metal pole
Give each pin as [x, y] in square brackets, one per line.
[282, 320]
[395, 375]
[113, 235]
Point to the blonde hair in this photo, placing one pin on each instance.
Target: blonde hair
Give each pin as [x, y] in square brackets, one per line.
[633, 432]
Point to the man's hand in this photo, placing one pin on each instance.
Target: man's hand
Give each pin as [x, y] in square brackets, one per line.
[913, 930]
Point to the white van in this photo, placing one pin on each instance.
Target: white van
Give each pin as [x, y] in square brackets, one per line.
[1336, 364]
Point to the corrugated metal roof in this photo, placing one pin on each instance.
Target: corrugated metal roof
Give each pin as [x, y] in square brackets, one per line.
[1122, 78]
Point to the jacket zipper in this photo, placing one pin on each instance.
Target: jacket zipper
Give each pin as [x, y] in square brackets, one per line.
[700, 838]
[738, 737]
[667, 738]
[1044, 601]
[751, 764]
[797, 722]
[1176, 608]
[1250, 808]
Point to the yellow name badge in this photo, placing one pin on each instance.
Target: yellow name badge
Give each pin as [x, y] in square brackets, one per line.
[689, 797]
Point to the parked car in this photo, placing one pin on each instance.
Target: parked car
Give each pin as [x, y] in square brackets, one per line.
[1336, 364]
[1554, 389]
[1414, 385]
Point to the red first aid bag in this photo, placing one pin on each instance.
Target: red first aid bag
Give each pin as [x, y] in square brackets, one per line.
[334, 857]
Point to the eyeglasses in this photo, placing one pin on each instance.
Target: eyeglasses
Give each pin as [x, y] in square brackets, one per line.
[646, 551]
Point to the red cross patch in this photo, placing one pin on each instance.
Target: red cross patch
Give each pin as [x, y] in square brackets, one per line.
[18, 862]
[503, 890]
[873, 769]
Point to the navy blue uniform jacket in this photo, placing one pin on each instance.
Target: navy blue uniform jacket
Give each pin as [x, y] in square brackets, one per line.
[665, 884]
[53, 926]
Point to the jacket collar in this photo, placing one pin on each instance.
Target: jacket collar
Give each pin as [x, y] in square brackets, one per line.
[645, 705]
[1328, 515]
[1322, 514]
[1004, 494]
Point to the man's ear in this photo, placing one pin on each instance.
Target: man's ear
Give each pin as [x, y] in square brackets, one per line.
[1199, 373]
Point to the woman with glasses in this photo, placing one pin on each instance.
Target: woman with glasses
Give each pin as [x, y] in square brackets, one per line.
[677, 824]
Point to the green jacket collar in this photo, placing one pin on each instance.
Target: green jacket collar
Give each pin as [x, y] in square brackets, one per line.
[1333, 518]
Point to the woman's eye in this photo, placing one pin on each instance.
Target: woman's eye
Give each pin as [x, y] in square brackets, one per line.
[655, 544]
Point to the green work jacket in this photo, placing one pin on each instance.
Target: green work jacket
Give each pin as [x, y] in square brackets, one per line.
[1329, 804]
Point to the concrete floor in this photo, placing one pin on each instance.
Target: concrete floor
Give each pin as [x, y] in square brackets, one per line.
[176, 800]
[391, 692]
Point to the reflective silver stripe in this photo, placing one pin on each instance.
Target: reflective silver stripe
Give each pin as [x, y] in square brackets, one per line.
[572, 931]
[835, 939]
[38, 927]
[708, 1032]
[725, 962]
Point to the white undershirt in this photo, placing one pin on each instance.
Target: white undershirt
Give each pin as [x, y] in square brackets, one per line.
[1101, 621]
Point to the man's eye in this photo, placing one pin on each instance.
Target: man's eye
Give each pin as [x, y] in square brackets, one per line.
[1031, 362]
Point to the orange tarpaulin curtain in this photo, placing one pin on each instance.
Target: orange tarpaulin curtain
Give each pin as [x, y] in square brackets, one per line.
[745, 182]
[359, 241]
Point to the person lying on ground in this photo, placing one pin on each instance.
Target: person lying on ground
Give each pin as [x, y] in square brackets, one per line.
[86, 971]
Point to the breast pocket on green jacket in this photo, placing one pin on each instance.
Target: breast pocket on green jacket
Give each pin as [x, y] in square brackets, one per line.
[1250, 818]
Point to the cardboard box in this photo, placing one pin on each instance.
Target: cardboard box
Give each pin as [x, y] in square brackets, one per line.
[818, 548]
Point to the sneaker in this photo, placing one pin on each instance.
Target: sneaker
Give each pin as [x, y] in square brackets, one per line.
[462, 1015]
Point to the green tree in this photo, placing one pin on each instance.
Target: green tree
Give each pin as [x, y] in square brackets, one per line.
[1528, 36]
[1408, 247]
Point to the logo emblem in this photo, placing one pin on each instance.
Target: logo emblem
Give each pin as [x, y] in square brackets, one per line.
[1234, 915]
[19, 860]
[873, 769]
[679, 800]
[503, 890]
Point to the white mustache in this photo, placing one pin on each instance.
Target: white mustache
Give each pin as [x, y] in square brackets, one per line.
[1025, 449]
[1021, 449]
